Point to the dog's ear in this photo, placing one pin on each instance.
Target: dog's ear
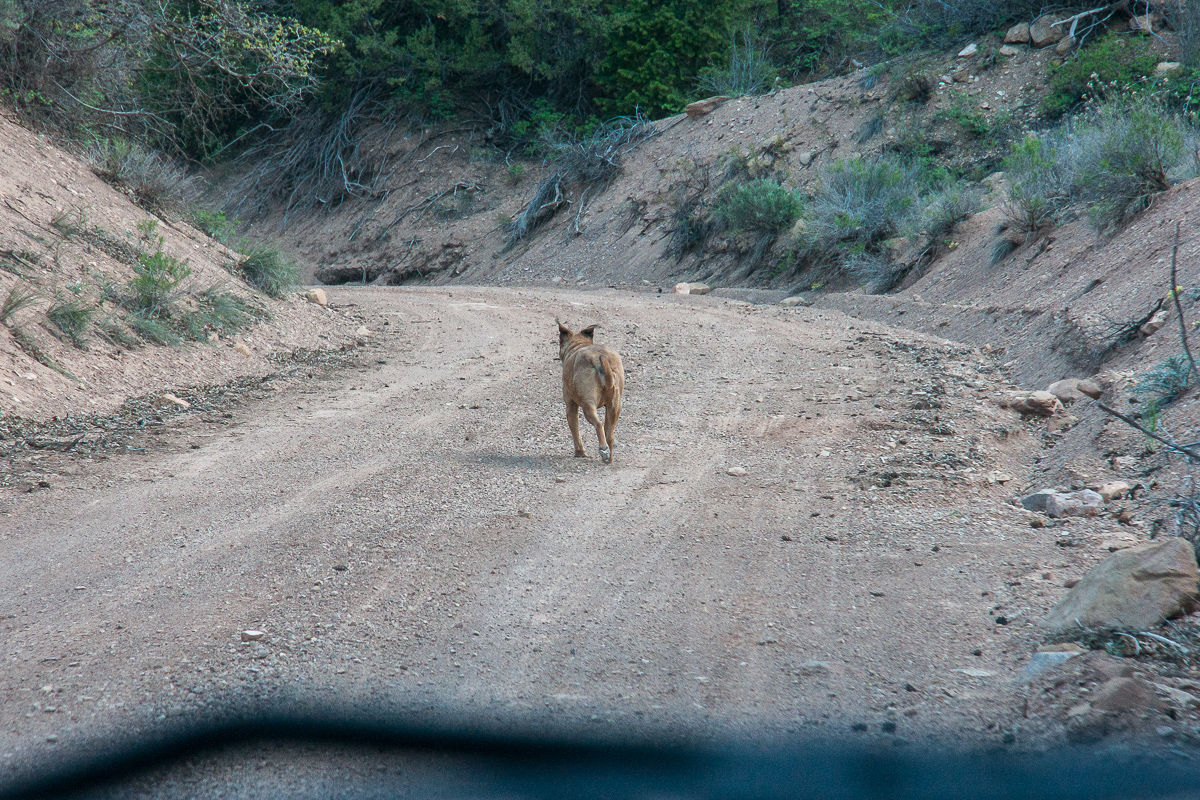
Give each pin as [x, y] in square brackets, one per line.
[563, 331]
[589, 331]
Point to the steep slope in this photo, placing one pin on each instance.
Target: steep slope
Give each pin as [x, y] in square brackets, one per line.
[67, 238]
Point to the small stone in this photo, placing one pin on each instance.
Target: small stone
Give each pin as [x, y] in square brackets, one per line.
[683, 288]
[1064, 46]
[168, 399]
[795, 300]
[737, 472]
[52, 738]
[1017, 34]
[811, 668]
[976, 673]
[317, 296]
[969, 50]
[1071, 583]
[1125, 462]
[1009, 50]
[699, 288]
[1069, 390]
[1164, 731]
[363, 330]
[262, 651]
[1154, 324]
[1113, 490]
[252, 636]
[1165, 67]
[242, 348]
[1084, 503]
[560, 479]
[1042, 661]
[1062, 421]
[213, 337]
[340, 567]
[1125, 694]
[1079, 710]
[1177, 698]
[805, 157]
[702, 108]
[1042, 404]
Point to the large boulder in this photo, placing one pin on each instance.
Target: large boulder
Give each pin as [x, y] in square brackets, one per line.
[1043, 404]
[1017, 34]
[702, 108]
[1043, 32]
[1084, 503]
[1068, 390]
[1132, 590]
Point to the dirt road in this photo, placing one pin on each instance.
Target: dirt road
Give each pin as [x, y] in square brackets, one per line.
[416, 532]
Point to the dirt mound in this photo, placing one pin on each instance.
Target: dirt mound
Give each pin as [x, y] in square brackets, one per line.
[70, 240]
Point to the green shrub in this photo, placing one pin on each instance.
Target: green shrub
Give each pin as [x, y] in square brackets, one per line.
[761, 206]
[862, 202]
[1125, 153]
[1112, 64]
[19, 296]
[748, 71]
[153, 330]
[157, 278]
[1041, 175]
[71, 317]
[220, 312]
[154, 180]
[111, 330]
[213, 223]
[1162, 385]
[265, 268]
[944, 209]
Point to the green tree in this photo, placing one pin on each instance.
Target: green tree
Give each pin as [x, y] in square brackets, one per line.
[655, 51]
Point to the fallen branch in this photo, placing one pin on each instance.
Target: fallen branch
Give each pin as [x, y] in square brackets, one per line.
[427, 202]
[1131, 421]
[1183, 333]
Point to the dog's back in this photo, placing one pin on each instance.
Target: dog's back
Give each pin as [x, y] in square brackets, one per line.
[593, 377]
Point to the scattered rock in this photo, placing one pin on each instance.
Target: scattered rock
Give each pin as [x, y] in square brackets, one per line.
[1113, 490]
[1125, 462]
[1144, 23]
[806, 157]
[737, 472]
[1166, 67]
[1061, 421]
[1017, 34]
[1134, 589]
[1043, 33]
[811, 668]
[363, 330]
[1069, 390]
[1046, 659]
[252, 636]
[1043, 404]
[702, 108]
[976, 673]
[317, 296]
[1177, 698]
[52, 738]
[167, 399]
[262, 651]
[699, 288]
[242, 348]
[1125, 694]
[683, 288]
[795, 300]
[969, 50]
[1154, 324]
[1009, 50]
[1084, 503]
[1064, 46]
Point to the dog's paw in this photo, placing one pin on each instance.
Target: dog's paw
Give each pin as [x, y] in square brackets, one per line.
[606, 455]
[580, 454]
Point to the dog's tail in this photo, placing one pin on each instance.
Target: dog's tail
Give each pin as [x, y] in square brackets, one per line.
[600, 371]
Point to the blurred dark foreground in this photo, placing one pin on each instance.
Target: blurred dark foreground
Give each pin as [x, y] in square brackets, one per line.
[318, 755]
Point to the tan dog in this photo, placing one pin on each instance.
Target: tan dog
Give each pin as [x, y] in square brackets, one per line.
[592, 377]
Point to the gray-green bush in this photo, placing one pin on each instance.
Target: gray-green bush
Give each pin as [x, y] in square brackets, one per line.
[71, 317]
[265, 268]
[761, 206]
[862, 202]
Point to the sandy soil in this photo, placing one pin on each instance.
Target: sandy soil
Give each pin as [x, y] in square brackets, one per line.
[415, 532]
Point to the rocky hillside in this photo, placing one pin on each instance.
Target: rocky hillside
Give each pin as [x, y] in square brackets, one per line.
[101, 300]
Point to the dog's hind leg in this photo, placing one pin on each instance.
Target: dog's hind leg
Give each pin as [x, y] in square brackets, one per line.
[573, 424]
[611, 412]
[589, 411]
